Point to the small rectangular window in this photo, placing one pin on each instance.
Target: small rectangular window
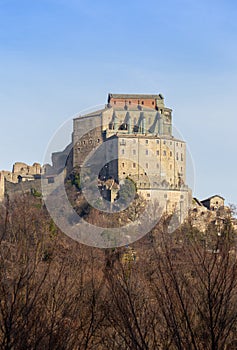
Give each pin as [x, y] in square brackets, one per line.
[146, 141]
[147, 165]
[51, 180]
[134, 165]
[157, 153]
[134, 152]
[122, 151]
[147, 152]
[164, 153]
[170, 154]
[157, 141]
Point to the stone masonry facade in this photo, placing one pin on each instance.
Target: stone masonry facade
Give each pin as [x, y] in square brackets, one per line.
[135, 132]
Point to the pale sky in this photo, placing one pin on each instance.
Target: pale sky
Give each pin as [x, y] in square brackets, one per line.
[58, 57]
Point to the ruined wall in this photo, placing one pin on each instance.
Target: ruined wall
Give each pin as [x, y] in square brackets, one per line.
[9, 180]
[9, 176]
[25, 169]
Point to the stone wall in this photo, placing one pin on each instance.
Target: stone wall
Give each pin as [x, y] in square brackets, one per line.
[170, 201]
[87, 136]
[214, 202]
[63, 159]
[25, 169]
[151, 101]
[12, 189]
[9, 180]
[160, 158]
[9, 176]
[2, 186]
[121, 120]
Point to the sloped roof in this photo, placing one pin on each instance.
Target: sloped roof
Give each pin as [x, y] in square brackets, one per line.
[209, 198]
[198, 201]
[137, 96]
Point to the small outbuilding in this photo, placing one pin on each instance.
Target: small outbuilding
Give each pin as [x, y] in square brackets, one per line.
[214, 202]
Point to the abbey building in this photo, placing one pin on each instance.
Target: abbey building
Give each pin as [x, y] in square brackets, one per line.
[135, 135]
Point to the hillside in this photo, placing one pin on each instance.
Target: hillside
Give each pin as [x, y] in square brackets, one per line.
[166, 291]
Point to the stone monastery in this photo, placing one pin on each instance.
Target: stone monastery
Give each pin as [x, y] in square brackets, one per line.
[134, 135]
[131, 137]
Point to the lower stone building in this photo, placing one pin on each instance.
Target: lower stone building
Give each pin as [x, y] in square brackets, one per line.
[214, 202]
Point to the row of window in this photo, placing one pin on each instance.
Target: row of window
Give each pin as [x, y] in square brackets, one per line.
[84, 142]
[147, 166]
[134, 152]
[165, 195]
[142, 102]
[123, 142]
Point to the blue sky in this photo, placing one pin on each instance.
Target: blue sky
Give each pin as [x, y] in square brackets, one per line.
[58, 57]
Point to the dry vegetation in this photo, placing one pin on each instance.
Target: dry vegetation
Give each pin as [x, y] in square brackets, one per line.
[179, 293]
